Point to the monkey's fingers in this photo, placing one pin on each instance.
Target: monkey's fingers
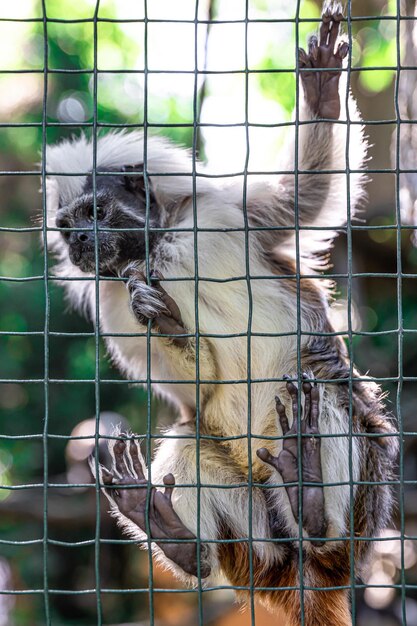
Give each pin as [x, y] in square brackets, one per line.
[325, 27]
[106, 476]
[303, 58]
[169, 482]
[283, 419]
[136, 461]
[315, 409]
[293, 391]
[171, 305]
[333, 11]
[267, 457]
[342, 50]
[168, 326]
[335, 26]
[307, 397]
[329, 28]
[313, 50]
[131, 271]
[119, 456]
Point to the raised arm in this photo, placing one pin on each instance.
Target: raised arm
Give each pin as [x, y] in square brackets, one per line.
[315, 187]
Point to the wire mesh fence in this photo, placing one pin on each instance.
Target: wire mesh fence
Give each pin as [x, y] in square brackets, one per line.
[63, 560]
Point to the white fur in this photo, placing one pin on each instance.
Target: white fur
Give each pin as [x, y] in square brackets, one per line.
[224, 307]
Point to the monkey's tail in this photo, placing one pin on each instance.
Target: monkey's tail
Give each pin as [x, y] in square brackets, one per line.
[325, 575]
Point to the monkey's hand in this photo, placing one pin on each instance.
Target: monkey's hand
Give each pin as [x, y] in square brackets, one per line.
[286, 463]
[152, 302]
[321, 88]
[127, 487]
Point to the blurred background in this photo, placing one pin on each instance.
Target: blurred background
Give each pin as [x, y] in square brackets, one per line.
[381, 305]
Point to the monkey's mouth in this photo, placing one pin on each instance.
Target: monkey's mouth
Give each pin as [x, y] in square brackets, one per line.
[84, 257]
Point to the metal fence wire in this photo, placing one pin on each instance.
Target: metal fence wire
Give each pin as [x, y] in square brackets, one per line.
[402, 590]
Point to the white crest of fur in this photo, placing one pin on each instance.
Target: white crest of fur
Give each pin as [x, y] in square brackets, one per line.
[114, 151]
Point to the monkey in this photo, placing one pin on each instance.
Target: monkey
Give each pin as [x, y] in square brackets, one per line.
[279, 441]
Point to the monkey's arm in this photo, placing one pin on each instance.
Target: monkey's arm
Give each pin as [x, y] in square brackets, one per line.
[324, 564]
[321, 145]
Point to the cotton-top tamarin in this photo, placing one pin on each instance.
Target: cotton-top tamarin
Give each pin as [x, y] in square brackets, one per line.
[145, 223]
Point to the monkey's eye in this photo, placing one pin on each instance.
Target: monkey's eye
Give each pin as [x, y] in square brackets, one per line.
[99, 212]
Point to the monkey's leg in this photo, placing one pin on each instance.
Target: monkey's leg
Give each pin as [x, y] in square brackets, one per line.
[127, 488]
[324, 566]
[287, 462]
[152, 302]
[321, 88]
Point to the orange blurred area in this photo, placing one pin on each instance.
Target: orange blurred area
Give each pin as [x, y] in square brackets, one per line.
[171, 610]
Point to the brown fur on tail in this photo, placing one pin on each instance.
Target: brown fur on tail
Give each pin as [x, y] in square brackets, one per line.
[320, 569]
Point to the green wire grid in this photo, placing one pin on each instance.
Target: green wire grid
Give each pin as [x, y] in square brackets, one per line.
[47, 592]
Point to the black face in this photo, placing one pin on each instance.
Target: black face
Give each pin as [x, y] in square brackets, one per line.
[120, 204]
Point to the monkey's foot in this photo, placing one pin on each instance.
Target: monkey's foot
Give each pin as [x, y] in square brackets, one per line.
[287, 461]
[135, 501]
[152, 302]
[321, 88]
